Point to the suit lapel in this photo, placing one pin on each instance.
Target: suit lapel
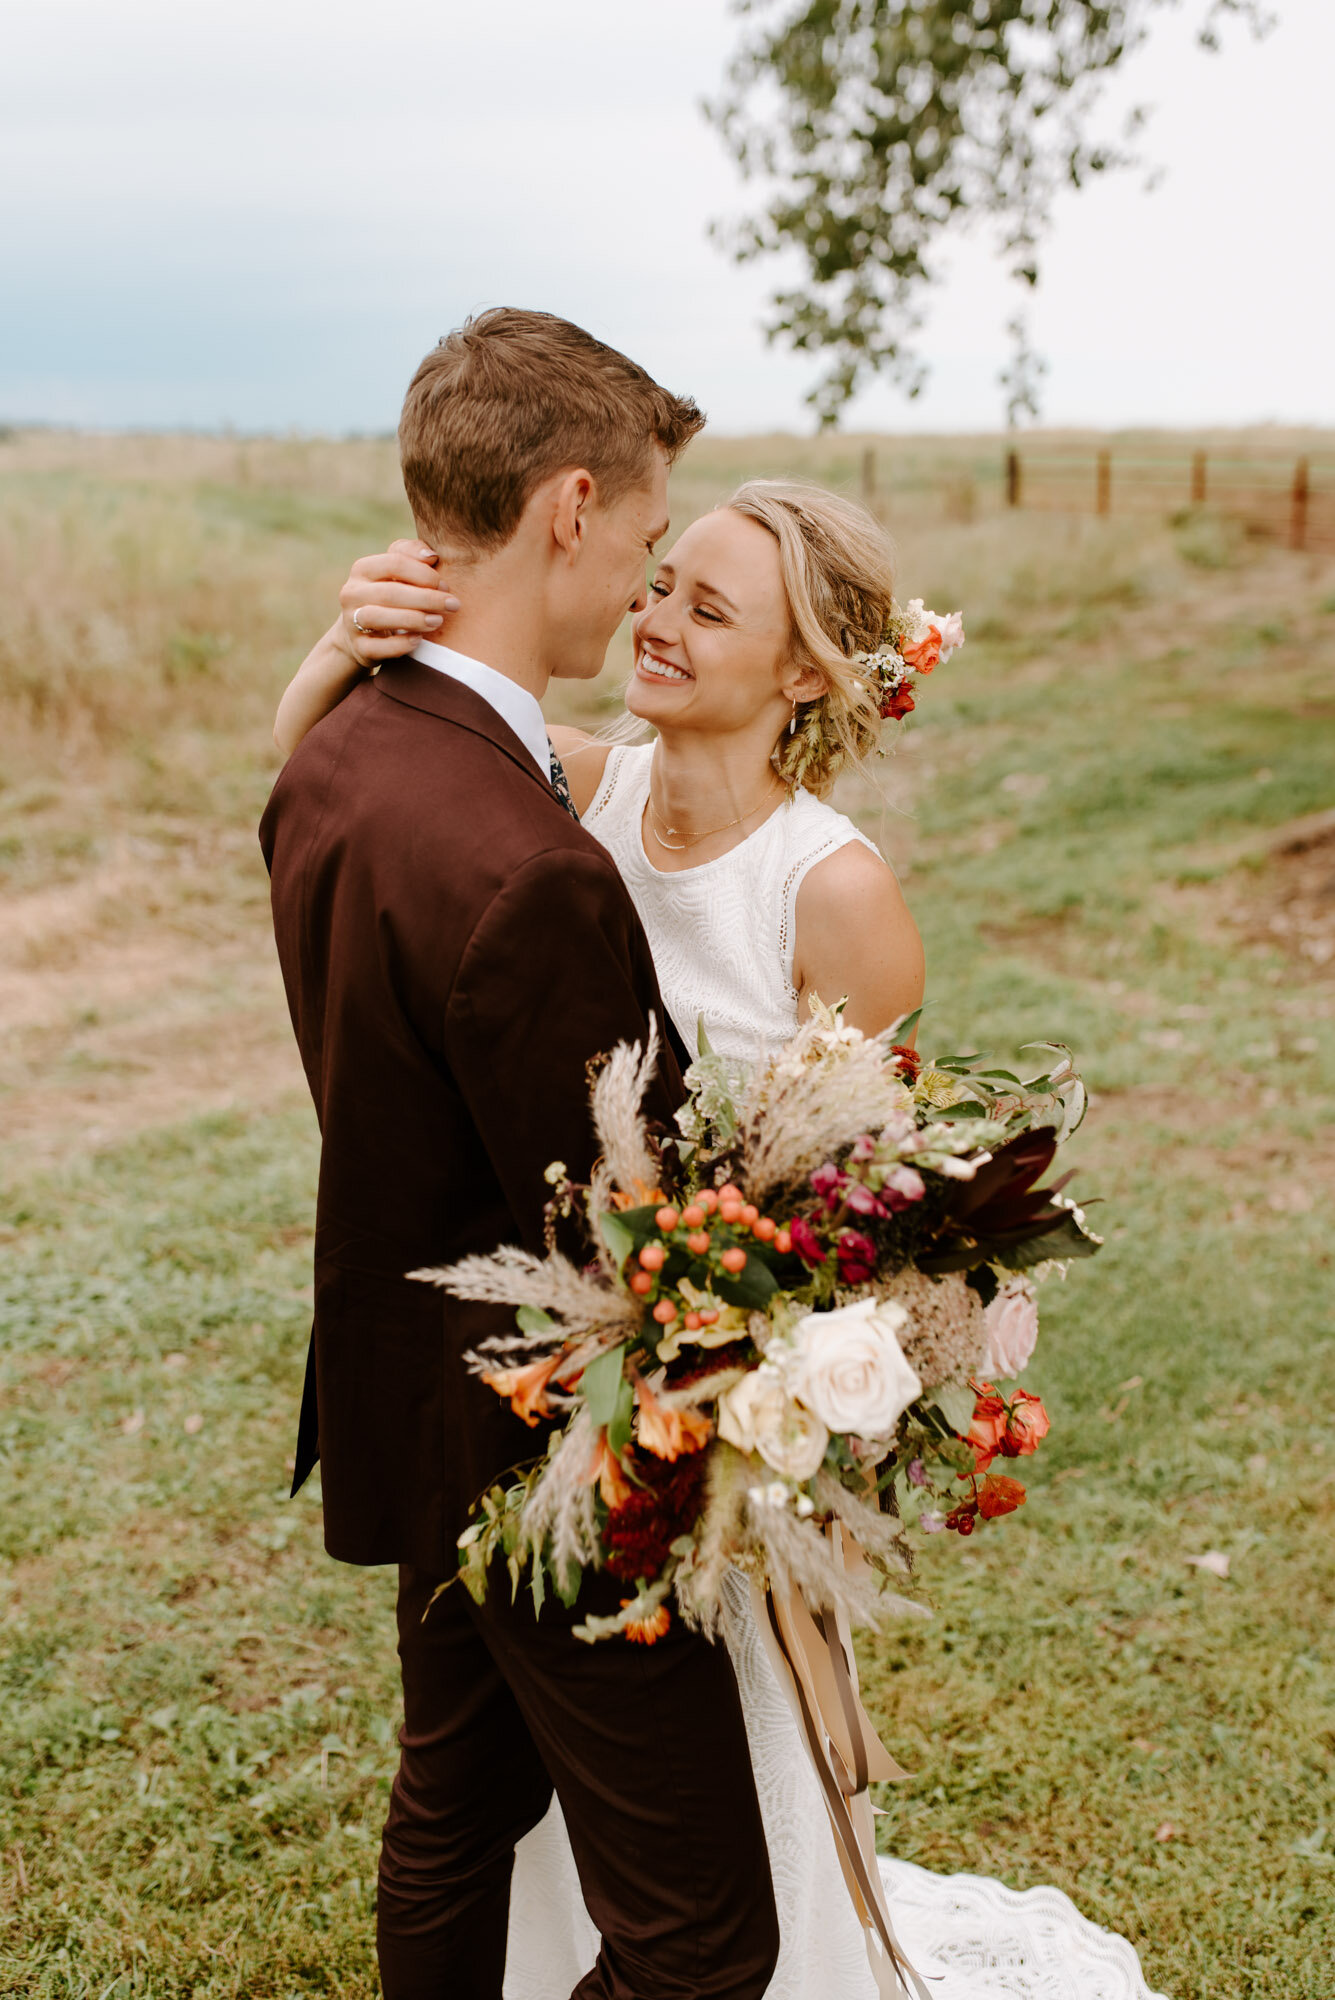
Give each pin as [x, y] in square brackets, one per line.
[418, 686]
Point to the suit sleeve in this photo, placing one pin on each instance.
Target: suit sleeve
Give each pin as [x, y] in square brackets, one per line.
[557, 972]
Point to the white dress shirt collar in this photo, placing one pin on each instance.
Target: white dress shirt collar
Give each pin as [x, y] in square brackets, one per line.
[514, 704]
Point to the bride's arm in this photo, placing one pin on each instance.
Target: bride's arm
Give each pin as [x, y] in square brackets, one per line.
[856, 938]
[399, 598]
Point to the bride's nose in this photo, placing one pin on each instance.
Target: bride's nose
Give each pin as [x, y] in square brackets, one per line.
[651, 624]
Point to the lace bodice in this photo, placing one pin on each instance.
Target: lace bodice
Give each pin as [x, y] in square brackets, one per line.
[722, 933]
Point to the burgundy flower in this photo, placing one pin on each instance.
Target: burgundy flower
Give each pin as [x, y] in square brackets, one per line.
[857, 1257]
[805, 1242]
[898, 704]
[907, 1061]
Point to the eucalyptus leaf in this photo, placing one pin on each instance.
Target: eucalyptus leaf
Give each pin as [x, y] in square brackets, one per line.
[601, 1385]
[532, 1319]
[955, 1401]
[616, 1236]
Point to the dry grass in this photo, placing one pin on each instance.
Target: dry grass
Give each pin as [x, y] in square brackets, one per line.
[196, 1708]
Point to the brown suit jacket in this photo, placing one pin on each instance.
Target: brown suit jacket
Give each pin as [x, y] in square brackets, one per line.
[455, 949]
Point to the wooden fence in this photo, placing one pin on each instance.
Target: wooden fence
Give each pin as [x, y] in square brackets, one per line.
[1280, 499]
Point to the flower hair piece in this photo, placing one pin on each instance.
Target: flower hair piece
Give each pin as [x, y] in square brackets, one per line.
[914, 642]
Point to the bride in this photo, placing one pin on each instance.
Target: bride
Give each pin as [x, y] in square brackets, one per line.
[755, 894]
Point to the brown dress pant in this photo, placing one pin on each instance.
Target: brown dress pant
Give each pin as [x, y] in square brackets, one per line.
[646, 1749]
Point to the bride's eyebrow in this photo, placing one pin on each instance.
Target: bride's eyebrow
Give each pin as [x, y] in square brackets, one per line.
[712, 590]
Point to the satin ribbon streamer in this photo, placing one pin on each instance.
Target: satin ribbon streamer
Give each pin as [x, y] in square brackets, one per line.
[812, 1655]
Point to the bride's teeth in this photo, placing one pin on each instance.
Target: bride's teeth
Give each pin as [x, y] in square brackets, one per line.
[664, 669]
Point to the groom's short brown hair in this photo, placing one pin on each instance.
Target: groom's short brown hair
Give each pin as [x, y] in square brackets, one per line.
[511, 397]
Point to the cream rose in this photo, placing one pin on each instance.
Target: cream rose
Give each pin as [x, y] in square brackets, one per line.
[1011, 1325]
[849, 1368]
[758, 1415]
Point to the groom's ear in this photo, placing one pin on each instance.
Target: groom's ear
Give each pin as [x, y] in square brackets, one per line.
[574, 498]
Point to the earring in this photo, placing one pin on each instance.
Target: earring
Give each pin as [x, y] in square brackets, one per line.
[792, 720]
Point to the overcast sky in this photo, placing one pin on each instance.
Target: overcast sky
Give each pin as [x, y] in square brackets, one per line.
[262, 212]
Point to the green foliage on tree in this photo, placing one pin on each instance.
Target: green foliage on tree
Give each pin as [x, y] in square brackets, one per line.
[885, 124]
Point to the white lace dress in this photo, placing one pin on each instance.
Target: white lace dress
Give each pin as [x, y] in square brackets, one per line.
[722, 939]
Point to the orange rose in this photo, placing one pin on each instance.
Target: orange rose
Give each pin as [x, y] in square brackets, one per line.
[1026, 1425]
[999, 1495]
[923, 655]
[988, 1428]
[526, 1387]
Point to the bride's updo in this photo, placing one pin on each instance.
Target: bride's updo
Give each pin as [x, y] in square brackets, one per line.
[837, 564]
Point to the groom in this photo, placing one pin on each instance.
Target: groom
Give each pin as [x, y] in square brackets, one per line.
[456, 949]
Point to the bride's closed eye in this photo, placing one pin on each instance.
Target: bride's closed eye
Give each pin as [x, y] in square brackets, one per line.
[705, 612]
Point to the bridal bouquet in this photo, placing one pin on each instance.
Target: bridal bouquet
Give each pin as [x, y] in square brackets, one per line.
[783, 1353]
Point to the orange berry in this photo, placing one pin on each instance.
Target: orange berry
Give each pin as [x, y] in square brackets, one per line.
[750, 1215]
[708, 1316]
[698, 1242]
[766, 1229]
[707, 1200]
[783, 1242]
[694, 1322]
[665, 1312]
[693, 1215]
[729, 1193]
[667, 1219]
[730, 1211]
[641, 1284]
[733, 1260]
[653, 1257]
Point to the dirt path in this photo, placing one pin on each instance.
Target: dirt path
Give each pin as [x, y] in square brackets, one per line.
[143, 993]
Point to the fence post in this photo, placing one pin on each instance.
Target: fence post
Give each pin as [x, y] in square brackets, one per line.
[1012, 478]
[869, 475]
[1198, 479]
[1103, 486]
[1298, 509]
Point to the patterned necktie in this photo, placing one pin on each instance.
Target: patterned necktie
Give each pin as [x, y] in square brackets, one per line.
[561, 786]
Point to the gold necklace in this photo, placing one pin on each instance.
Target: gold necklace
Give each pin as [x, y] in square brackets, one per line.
[694, 839]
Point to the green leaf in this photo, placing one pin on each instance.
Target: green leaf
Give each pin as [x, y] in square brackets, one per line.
[532, 1319]
[601, 1385]
[955, 1401]
[752, 1287]
[903, 1029]
[618, 1430]
[616, 1236]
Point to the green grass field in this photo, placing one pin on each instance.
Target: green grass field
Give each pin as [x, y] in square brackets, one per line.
[1108, 821]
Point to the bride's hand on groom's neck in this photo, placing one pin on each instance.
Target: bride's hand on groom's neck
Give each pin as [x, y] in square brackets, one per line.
[387, 605]
[391, 601]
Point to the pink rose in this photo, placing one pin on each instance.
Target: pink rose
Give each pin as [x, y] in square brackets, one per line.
[1011, 1325]
[952, 633]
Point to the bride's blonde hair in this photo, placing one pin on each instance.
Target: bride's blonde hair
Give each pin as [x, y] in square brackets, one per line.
[838, 568]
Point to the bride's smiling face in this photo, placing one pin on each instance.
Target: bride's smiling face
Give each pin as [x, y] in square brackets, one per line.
[713, 645]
